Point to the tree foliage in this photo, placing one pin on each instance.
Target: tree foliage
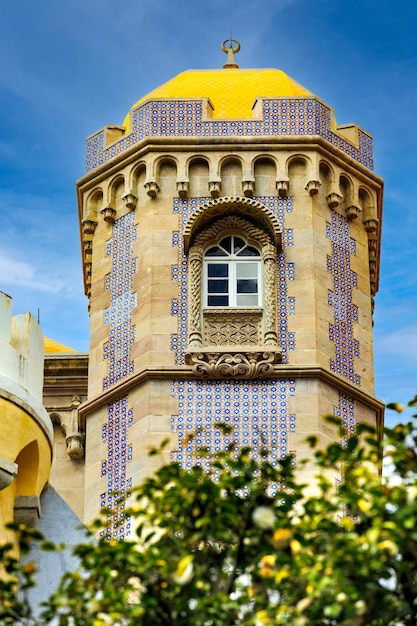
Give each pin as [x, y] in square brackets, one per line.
[247, 545]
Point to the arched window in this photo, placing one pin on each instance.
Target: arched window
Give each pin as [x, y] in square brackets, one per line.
[232, 274]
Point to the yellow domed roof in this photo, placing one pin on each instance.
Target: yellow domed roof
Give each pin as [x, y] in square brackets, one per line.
[232, 92]
[54, 347]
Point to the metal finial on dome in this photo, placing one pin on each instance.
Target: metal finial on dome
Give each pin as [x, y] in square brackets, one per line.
[230, 51]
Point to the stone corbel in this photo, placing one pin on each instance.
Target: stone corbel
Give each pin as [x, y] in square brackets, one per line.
[313, 187]
[248, 187]
[88, 268]
[182, 188]
[27, 510]
[243, 365]
[88, 247]
[371, 225]
[89, 227]
[130, 201]
[151, 188]
[8, 472]
[67, 418]
[333, 200]
[352, 212]
[214, 188]
[282, 187]
[109, 214]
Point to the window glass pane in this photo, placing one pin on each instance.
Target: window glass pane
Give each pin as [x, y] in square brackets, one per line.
[247, 285]
[226, 243]
[218, 301]
[247, 270]
[238, 243]
[216, 252]
[247, 300]
[217, 269]
[249, 251]
[218, 286]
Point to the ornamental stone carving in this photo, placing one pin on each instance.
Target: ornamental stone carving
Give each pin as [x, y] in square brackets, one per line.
[248, 187]
[231, 328]
[238, 365]
[182, 188]
[130, 201]
[313, 187]
[214, 188]
[352, 212]
[333, 200]
[371, 225]
[151, 188]
[282, 187]
[109, 214]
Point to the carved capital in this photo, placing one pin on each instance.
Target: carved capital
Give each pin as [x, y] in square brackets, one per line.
[75, 445]
[151, 188]
[109, 214]
[313, 187]
[333, 200]
[352, 212]
[238, 365]
[248, 187]
[88, 247]
[8, 472]
[371, 225]
[89, 227]
[182, 188]
[214, 188]
[282, 187]
[130, 201]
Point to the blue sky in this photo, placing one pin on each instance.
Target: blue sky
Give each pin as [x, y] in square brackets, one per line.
[68, 67]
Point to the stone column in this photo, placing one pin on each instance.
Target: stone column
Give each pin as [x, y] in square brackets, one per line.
[269, 257]
[195, 335]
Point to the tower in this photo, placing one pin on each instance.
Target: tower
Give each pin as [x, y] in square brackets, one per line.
[27, 435]
[231, 234]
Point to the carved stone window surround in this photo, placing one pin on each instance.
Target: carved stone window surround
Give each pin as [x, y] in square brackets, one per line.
[233, 342]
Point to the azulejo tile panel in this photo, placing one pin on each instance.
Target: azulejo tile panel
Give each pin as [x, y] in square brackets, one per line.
[340, 299]
[257, 412]
[179, 274]
[114, 467]
[346, 411]
[118, 316]
[184, 118]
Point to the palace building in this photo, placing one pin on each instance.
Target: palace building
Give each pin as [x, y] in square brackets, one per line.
[230, 234]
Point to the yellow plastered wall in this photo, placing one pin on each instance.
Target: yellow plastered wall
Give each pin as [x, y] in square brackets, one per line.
[24, 442]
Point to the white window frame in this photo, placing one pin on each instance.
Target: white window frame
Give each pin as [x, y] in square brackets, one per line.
[232, 261]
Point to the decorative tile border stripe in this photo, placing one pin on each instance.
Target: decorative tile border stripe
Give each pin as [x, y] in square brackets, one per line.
[118, 316]
[346, 411]
[184, 118]
[114, 436]
[345, 313]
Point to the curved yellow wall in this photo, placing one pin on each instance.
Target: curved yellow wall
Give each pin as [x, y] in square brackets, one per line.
[24, 442]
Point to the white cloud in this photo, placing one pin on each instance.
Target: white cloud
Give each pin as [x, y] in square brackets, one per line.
[21, 274]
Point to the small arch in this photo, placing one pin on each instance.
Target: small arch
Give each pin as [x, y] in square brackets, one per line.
[265, 174]
[198, 170]
[28, 466]
[166, 175]
[297, 166]
[326, 174]
[368, 206]
[346, 190]
[116, 191]
[94, 204]
[231, 172]
[137, 177]
[252, 210]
